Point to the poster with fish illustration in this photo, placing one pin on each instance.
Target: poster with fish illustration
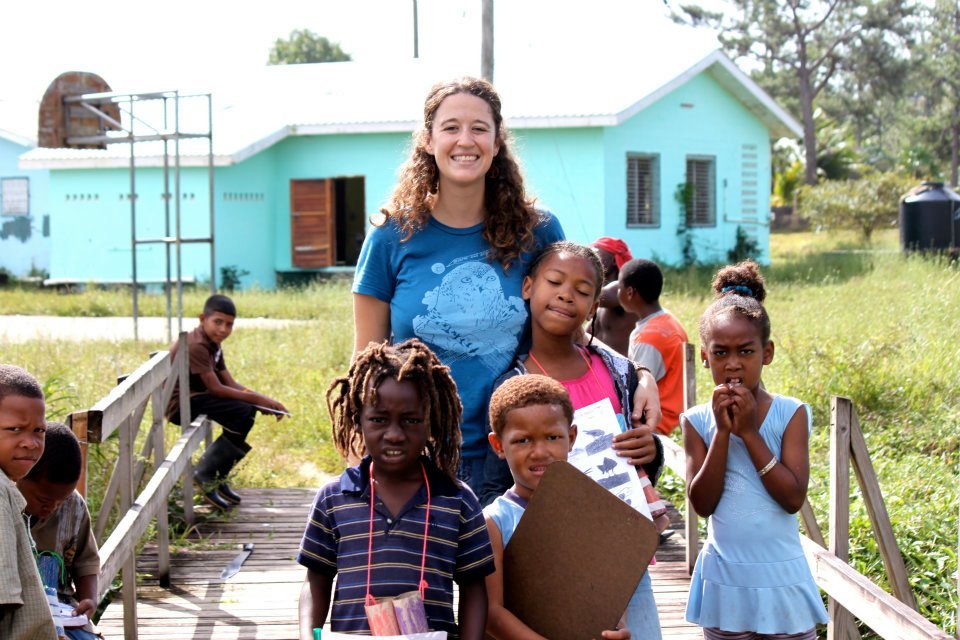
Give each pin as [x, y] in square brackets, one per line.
[593, 454]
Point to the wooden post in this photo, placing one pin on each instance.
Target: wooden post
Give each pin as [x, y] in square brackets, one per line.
[841, 413]
[77, 422]
[125, 470]
[879, 518]
[181, 368]
[163, 519]
[690, 521]
[486, 45]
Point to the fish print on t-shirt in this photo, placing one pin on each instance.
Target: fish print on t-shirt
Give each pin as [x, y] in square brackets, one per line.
[468, 316]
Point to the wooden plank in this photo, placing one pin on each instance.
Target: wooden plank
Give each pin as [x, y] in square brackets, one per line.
[810, 523]
[134, 523]
[879, 610]
[691, 523]
[841, 622]
[106, 416]
[879, 518]
[78, 424]
[163, 516]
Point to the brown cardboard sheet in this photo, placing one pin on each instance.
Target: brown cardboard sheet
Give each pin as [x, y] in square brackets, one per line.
[576, 557]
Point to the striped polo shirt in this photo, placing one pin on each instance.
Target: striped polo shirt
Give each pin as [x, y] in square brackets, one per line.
[337, 535]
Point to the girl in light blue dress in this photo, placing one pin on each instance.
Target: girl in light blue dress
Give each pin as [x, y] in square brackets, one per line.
[747, 471]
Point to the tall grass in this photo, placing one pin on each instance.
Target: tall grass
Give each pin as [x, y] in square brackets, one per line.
[863, 322]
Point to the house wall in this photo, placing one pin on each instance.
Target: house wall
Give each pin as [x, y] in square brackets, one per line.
[564, 169]
[716, 125]
[23, 246]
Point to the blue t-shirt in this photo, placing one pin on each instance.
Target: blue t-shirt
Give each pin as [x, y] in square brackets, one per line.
[444, 289]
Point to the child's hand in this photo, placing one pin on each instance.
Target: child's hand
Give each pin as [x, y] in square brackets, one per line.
[276, 406]
[85, 607]
[722, 403]
[744, 410]
[620, 633]
[636, 444]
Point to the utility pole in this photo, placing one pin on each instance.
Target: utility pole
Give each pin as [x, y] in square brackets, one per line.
[486, 48]
[416, 32]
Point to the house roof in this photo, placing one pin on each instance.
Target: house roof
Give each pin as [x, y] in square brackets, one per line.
[256, 110]
[17, 139]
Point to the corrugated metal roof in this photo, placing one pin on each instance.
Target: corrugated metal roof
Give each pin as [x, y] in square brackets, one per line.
[255, 110]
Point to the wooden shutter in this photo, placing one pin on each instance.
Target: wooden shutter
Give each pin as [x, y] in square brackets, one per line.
[643, 206]
[312, 211]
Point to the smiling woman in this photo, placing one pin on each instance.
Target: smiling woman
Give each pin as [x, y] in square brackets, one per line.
[445, 261]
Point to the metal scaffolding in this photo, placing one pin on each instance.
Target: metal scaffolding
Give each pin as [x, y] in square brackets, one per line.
[136, 128]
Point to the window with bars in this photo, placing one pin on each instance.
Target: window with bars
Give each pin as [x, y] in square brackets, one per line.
[643, 193]
[15, 196]
[701, 176]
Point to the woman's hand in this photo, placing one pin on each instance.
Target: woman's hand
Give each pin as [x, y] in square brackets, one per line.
[646, 401]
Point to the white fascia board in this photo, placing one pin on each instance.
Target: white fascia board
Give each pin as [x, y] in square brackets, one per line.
[260, 145]
[16, 139]
[118, 162]
[761, 96]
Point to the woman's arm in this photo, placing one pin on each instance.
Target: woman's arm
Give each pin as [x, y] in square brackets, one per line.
[501, 623]
[314, 602]
[371, 321]
[706, 468]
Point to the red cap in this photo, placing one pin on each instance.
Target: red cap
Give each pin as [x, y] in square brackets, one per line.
[616, 246]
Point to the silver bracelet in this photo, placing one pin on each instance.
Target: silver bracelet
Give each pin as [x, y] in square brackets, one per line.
[770, 465]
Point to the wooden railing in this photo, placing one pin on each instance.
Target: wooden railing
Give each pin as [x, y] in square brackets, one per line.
[121, 411]
[849, 592]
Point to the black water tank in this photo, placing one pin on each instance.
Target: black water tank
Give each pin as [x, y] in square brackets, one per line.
[930, 218]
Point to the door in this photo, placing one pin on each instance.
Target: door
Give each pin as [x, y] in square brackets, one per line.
[312, 209]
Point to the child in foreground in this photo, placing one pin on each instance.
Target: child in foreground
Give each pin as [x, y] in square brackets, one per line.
[214, 392]
[24, 611]
[532, 426]
[399, 406]
[658, 340]
[563, 287]
[747, 470]
[60, 524]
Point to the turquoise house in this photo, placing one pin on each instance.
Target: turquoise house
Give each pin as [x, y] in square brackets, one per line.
[24, 212]
[637, 151]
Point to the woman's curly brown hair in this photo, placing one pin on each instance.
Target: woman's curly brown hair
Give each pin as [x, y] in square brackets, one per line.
[739, 288]
[409, 361]
[510, 214]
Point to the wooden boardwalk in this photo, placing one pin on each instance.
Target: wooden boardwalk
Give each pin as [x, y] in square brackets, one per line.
[261, 601]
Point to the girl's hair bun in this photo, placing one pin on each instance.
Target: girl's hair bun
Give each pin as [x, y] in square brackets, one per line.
[741, 279]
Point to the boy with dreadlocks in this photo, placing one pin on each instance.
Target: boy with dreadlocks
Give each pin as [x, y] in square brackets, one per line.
[398, 407]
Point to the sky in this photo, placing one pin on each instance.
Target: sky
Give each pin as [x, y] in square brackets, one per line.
[184, 44]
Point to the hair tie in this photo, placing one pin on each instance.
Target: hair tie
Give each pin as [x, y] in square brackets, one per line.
[739, 288]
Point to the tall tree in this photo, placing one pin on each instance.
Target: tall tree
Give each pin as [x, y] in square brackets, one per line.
[304, 46]
[799, 44]
[943, 65]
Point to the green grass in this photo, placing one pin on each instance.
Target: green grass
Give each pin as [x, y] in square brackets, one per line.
[864, 322]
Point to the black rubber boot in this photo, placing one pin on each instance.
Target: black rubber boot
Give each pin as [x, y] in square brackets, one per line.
[214, 466]
[225, 490]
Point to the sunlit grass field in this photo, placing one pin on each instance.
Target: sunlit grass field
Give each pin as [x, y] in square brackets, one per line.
[864, 322]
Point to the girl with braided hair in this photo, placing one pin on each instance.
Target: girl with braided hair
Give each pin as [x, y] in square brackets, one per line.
[399, 521]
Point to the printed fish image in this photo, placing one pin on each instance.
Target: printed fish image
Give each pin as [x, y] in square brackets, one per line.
[600, 444]
[593, 433]
[613, 482]
[607, 466]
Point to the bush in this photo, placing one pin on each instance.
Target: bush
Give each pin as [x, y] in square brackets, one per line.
[863, 205]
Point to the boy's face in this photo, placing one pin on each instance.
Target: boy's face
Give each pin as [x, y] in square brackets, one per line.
[218, 326]
[22, 431]
[395, 429]
[532, 438]
[44, 497]
[628, 297]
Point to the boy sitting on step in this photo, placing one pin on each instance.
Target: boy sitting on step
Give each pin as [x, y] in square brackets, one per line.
[214, 392]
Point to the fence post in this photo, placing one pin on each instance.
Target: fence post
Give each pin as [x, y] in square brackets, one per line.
[182, 369]
[690, 522]
[163, 519]
[125, 469]
[77, 422]
[841, 413]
